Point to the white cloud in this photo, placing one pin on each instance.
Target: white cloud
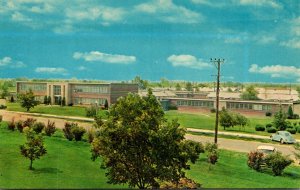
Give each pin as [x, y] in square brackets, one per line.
[261, 3]
[104, 57]
[187, 61]
[211, 3]
[277, 71]
[51, 70]
[293, 43]
[294, 32]
[20, 17]
[234, 40]
[167, 11]
[9, 62]
[82, 68]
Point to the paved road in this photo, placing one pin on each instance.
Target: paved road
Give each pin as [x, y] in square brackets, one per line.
[229, 144]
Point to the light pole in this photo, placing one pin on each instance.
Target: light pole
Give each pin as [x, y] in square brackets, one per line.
[217, 63]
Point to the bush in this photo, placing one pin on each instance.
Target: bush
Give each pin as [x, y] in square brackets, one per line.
[68, 130]
[255, 160]
[3, 107]
[213, 110]
[91, 111]
[271, 130]
[277, 162]
[295, 116]
[11, 125]
[292, 130]
[19, 126]
[50, 128]
[71, 104]
[269, 125]
[1, 118]
[38, 127]
[212, 152]
[259, 128]
[268, 114]
[29, 122]
[172, 107]
[78, 132]
[298, 129]
[91, 135]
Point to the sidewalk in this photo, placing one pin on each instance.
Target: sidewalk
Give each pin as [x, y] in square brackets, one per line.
[231, 134]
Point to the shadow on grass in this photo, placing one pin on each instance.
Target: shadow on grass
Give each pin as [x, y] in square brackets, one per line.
[292, 175]
[47, 170]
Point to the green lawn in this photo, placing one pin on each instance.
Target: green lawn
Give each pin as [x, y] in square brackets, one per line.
[68, 165]
[53, 110]
[202, 121]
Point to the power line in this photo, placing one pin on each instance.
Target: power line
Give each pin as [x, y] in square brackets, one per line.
[217, 63]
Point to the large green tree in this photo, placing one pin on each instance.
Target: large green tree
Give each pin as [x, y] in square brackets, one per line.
[34, 148]
[27, 100]
[279, 121]
[250, 93]
[139, 147]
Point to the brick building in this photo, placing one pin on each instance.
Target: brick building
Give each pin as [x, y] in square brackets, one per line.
[78, 93]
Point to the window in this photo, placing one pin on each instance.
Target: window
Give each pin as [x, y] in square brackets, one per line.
[99, 101]
[91, 89]
[33, 87]
[57, 90]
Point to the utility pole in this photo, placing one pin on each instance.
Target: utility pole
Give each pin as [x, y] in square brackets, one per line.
[217, 63]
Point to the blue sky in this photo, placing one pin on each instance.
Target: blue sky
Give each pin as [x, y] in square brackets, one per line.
[118, 40]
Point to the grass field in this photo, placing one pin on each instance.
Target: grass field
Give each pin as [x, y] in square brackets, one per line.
[207, 121]
[68, 165]
[53, 110]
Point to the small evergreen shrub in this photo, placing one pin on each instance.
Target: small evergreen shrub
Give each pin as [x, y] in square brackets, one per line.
[50, 128]
[1, 118]
[269, 125]
[68, 130]
[78, 132]
[298, 129]
[255, 160]
[268, 114]
[29, 122]
[11, 125]
[277, 162]
[172, 107]
[259, 128]
[213, 110]
[91, 135]
[3, 107]
[38, 127]
[295, 116]
[271, 130]
[19, 126]
[292, 130]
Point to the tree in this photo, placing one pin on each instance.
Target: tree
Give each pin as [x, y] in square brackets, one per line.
[226, 119]
[106, 104]
[279, 121]
[290, 113]
[139, 147]
[12, 99]
[4, 92]
[178, 87]
[142, 84]
[189, 86]
[241, 120]
[34, 148]
[250, 94]
[45, 100]
[63, 102]
[27, 100]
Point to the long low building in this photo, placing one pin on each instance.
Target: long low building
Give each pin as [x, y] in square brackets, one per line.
[77, 93]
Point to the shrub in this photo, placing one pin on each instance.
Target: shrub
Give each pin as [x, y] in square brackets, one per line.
[19, 126]
[29, 122]
[271, 130]
[3, 107]
[11, 125]
[1, 118]
[173, 107]
[255, 160]
[259, 128]
[91, 135]
[268, 114]
[71, 104]
[213, 110]
[12, 99]
[78, 132]
[277, 162]
[68, 130]
[269, 125]
[292, 130]
[212, 152]
[50, 128]
[38, 127]
[91, 111]
[298, 129]
[295, 116]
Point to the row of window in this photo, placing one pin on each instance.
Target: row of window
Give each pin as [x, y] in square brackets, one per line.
[196, 103]
[33, 87]
[99, 101]
[236, 105]
[57, 90]
[90, 89]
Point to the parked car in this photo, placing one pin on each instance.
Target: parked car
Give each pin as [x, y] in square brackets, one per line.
[283, 137]
[266, 149]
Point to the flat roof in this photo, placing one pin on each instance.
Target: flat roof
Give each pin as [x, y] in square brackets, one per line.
[93, 83]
